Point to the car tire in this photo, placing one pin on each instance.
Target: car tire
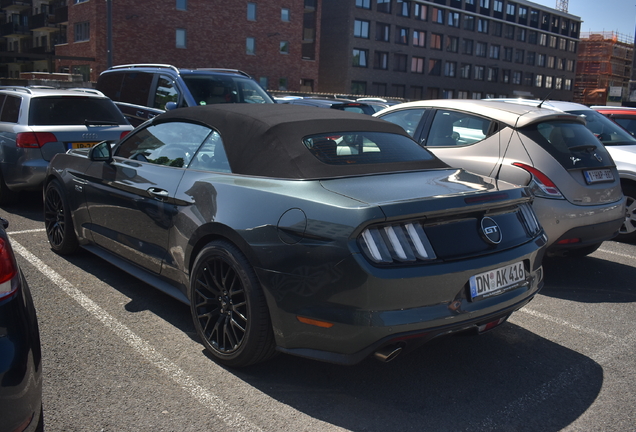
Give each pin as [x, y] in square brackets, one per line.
[627, 232]
[228, 307]
[7, 196]
[584, 251]
[58, 221]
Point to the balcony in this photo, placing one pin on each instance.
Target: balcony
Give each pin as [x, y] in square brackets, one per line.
[61, 15]
[15, 6]
[14, 30]
[42, 22]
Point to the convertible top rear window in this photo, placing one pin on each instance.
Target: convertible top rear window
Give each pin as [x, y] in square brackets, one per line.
[365, 148]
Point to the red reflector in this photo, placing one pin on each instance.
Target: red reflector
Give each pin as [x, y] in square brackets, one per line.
[123, 134]
[569, 241]
[8, 269]
[538, 174]
[34, 139]
[323, 324]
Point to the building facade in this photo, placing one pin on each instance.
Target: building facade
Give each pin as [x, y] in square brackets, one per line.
[448, 49]
[278, 44]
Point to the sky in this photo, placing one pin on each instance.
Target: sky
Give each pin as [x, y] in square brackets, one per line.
[601, 15]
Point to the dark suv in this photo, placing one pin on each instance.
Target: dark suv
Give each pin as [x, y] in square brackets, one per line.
[142, 91]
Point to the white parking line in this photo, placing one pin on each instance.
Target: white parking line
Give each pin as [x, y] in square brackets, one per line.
[26, 231]
[222, 410]
[566, 323]
[615, 253]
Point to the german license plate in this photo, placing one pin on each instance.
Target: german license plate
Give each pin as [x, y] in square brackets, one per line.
[495, 281]
[78, 145]
[599, 175]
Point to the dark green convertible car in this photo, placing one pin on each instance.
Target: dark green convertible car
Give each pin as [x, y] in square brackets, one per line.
[319, 233]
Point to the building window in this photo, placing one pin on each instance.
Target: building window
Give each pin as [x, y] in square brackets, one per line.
[435, 67]
[551, 62]
[420, 11]
[283, 47]
[482, 25]
[263, 82]
[284, 15]
[543, 39]
[481, 49]
[452, 44]
[528, 79]
[417, 92]
[419, 38]
[509, 32]
[361, 29]
[250, 46]
[382, 32]
[399, 62]
[477, 95]
[467, 46]
[510, 11]
[507, 54]
[494, 52]
[519, 53]
[548, 82]
[182, 5]
[530, 58]
[79, 1]
[516, 78]
[453, 19]
[358, 87]
[506, 76]
[381, 60]
[363, 4]
[417, 65]
[491, 74]
[496, 29]
[181, 38]
[570, 66]
[450, 69]
[378, 89]
[572, 46]
[568, 84]
[541, 60]
[384, 6]
[538, 80]
[464, 72]
[436, 41]
[399, 90]
[251, 11]
[402, 36]
[404, 8]
[479, 73]
[461, 94]
[521, 35]
[82, 31]
[360, 57]
[282, 83]
[437, 15]
[469, 22]
[447, 94]
[563, 44]
[553, 41]
[498, 6]
[532, 37]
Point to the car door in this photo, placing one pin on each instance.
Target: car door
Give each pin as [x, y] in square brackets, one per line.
[131, 200]
[463, 140]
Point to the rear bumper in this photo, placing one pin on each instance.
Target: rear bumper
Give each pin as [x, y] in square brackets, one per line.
[591, 224]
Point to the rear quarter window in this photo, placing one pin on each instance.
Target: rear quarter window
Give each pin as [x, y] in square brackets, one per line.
[571, 144]
[11, 109]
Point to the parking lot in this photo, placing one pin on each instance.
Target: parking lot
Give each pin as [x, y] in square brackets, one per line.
[121, 356]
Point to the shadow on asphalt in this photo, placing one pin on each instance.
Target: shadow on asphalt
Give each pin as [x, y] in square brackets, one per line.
[28, 206]
[589, 280]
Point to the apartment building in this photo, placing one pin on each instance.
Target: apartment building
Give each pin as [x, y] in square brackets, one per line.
[275, 42]
[448, 49]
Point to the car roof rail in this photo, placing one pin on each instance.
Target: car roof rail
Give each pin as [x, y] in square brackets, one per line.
[144, 65]
[86, 90]
[17, 89]
[237, 71]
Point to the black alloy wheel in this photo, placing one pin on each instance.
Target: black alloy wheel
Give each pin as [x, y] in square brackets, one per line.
[627, 232]
[57, 220]
[229, 308]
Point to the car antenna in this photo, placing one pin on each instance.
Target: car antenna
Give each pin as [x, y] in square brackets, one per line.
[546, 98]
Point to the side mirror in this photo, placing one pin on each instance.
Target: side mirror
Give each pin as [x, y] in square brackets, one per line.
[170, 106]
[101, 152]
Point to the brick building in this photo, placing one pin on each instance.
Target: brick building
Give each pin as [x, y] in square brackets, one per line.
[448, 49]
[276, 43]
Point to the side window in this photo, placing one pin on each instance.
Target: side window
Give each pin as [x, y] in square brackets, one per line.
[136, 87]
[11, 109]
[408, 119]
[110, 85]
[166, 92]
[171, 144]
[211, 156]
[451, 128]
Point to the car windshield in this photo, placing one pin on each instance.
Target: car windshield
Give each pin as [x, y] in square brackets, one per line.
[569, 143]
[361, 148]
[214, 89]
[606, 130]
[74, 110]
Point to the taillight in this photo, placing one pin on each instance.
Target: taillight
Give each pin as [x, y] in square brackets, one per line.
[8, 270]
[34, 139]
[401, 242]
[543, 186]
[123, 134]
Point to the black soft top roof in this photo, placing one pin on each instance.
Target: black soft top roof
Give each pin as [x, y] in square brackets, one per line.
[266, 139]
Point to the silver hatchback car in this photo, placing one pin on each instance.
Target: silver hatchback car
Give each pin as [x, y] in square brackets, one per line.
[37, 123]
[578, 196]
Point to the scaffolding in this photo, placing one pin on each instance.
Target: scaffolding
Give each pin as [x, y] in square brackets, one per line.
[604, 68]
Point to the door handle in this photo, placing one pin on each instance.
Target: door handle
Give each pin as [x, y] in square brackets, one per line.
[159, 194]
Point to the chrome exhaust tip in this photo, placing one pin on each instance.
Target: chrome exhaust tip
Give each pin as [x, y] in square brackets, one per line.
[387, 354]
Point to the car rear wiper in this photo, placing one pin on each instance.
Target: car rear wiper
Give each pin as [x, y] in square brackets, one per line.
[100, 123]
[585, 147]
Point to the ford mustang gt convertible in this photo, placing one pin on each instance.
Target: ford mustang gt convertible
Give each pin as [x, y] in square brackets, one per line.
[324, 234]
